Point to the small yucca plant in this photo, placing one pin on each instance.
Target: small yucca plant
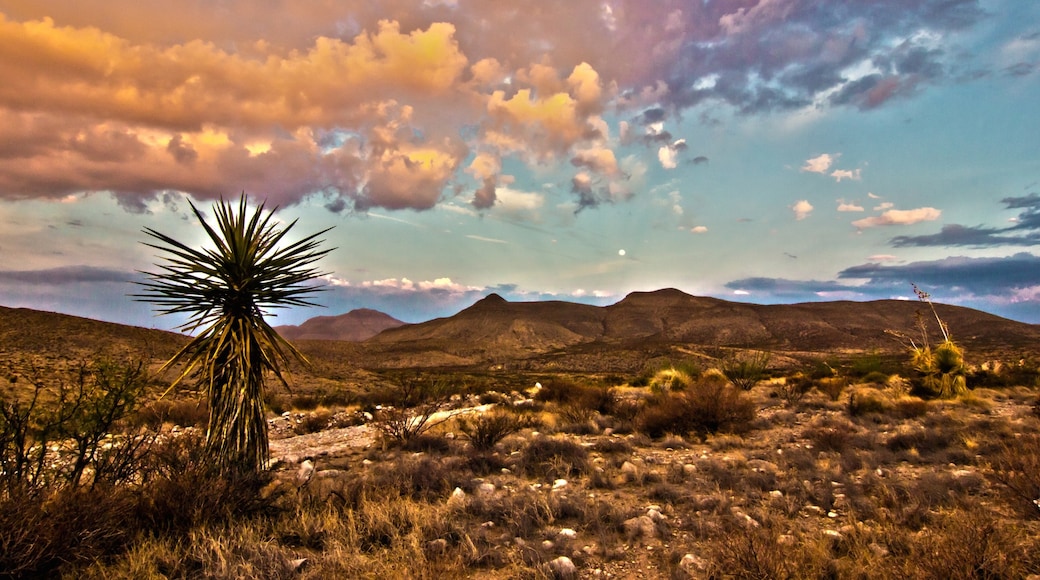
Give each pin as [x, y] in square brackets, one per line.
[225, 290]
[941, 369]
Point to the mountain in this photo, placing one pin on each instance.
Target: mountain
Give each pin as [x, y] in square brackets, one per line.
[495, 330]
[354, 326]
[53, 335]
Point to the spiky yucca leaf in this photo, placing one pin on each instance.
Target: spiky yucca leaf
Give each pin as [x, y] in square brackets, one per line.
[225, 290]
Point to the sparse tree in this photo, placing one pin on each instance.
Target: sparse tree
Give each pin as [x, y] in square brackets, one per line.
[225, 291]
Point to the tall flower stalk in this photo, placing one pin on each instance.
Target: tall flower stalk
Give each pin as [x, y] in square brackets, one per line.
[225, 290]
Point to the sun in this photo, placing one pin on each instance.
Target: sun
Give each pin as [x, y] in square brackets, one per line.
[621, 252]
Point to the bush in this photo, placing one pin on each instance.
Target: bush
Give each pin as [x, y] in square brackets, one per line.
[793, 389]
[486, 430]
[864, 401]
[709, 406]
[554, 457]
[745, 370]
[418, 402]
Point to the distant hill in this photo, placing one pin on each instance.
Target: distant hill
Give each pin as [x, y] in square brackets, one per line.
[50, 334]
[354, 326]
[494, 329]
[551, 336]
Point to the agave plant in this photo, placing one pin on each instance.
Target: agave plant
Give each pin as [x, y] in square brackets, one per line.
[225, 291]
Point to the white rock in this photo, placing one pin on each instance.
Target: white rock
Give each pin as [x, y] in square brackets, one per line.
[486, 488]
[776, 493]
[305, 473]
[457, 497]
[692, 564]
[548, 545]
[567, 534]
[559, 484]
[563, 568]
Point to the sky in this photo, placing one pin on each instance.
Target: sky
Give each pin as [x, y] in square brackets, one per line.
[766, 151]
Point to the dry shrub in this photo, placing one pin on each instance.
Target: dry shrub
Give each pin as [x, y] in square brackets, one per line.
[484, 431]
[1016, 467]
[554, 457]
[41, 534]
[183, 412]
[867, 401]
[830, 386]
[793, 389]
[970, 543]
[313, 422]
[709, 406]
[910, 407]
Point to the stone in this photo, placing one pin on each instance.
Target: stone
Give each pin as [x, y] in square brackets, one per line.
[559, 484]
[693, 565]
[567, 534]
[563, 568]
[485, 489]
[640, 527]
[458, 497]
[689, 469]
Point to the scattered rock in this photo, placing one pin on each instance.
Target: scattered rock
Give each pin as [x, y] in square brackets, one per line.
[567, 534]
[485, 489]
[563, 568]
[641, 527]
[693, 565]
[559, 484]
[457, 498]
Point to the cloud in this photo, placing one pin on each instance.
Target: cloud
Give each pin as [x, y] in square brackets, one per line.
[362, 103]
[899, 217]
[668, 154]
[699, 229]
[66, 275]
[978, 276]
[699, 160]
[818, 164]
[1025, 230]
[1008, 286]
[840, 174]
[844, 207]
[802, 209]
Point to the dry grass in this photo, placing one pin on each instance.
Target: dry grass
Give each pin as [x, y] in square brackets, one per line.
[898, 488]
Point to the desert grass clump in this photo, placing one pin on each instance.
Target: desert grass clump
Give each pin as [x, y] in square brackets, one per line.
[485, 430]
[1015, 466]
[867, 401]
[554, 457]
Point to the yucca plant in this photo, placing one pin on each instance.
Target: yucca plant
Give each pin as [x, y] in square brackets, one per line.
[941, 371]
[225, 291]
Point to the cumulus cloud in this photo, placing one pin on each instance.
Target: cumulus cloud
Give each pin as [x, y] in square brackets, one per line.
[344, 99]
[802, 209]
[844, 207]
[699, 229]
[818, 164]
[899, 217]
